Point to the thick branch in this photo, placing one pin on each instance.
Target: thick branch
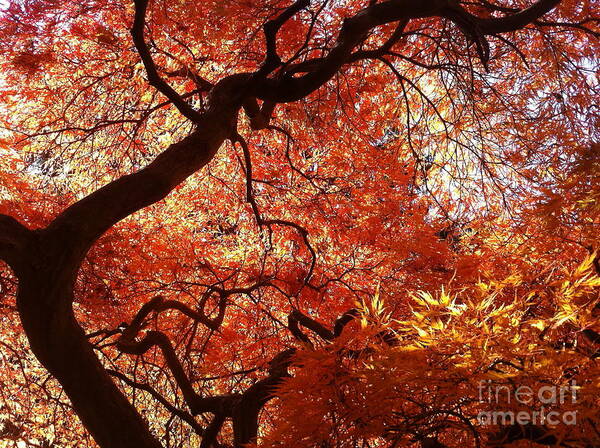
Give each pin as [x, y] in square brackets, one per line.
[355, 30]
[344, 320]
[311, 324]
[83, 222]
[13, 240]
[196, 403]
[296, 331]
[159, 303]
[296, 318]
[516, 21]
[384, 48]
[260, 116]
[212, 431]
[247, 410]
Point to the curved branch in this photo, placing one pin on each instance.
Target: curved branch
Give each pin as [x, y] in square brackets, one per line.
[304, 234]
[384, 48]
[159, 303]
[137, 33]
[76, 228]
[296, 331]
[127, 343]
[269, 222]
[196, 403]
[311, 324]
[246, 412]
[296, 318]
[515, 21]
[355, 30]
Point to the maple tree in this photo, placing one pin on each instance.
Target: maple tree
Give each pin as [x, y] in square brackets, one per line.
[297, 223]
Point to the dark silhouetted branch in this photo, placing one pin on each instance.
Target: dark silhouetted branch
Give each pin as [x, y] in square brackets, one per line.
[137, 32]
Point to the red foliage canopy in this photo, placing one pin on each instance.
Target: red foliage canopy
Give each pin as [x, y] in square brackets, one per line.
[311, 223]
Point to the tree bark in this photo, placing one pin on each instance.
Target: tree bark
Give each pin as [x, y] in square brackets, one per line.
[44, 304]
[47, 261]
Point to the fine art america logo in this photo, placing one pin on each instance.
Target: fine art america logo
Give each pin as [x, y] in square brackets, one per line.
[543, 405]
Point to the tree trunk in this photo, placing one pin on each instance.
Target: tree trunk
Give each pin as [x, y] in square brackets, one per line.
[46, 262]
[44, 302]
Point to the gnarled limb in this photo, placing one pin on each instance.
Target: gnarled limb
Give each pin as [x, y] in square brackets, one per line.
[127, 343]
[137, 32]
[244, 408]
[159, 303]
[355, 29]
